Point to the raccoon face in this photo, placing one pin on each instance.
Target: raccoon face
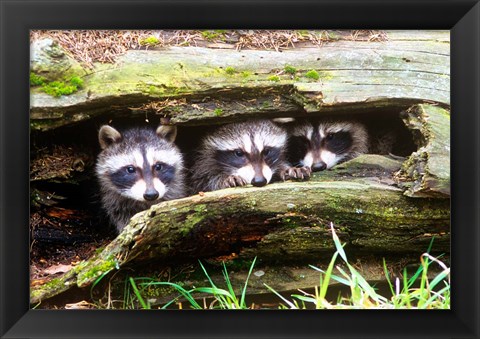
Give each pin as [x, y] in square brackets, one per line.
[143, 176]
[140, 164]
[323, 145]
[251, 151]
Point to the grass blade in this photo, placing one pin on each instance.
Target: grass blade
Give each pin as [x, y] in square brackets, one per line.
[328, 274]
[186, 294]
[338, 245]
[289, 303]
[244, 290]
[231, 296]
[334, 277]
[144, 304]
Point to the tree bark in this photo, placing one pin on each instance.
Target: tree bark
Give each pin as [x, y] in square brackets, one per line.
[287, 222]
[426, 173]
[198, 86]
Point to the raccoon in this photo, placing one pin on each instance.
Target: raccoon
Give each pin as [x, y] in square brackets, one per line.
[321, 145]
[243, 153]
[136, 169]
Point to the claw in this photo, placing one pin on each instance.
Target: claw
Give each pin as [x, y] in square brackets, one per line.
[234, 181]
[305, 172]
[302, 173]
[240, 181]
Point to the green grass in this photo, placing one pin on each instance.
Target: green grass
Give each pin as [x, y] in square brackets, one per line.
[415, 292]
[223, 298]
[434, 294]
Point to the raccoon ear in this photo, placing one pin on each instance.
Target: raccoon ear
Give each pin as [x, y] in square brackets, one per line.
[108, 136]
[167, 132]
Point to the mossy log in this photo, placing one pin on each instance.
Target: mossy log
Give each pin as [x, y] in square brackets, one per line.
[282, 222]
[377, 205]
[198, 85]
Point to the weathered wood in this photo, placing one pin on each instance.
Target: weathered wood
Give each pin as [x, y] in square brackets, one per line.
[427, 171]
[283, 221]
[349, 74]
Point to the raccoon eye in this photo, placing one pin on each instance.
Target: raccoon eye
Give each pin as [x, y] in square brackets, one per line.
[157, 167]
[267, 151]
[330, 136]
[130, 169]
[239, 153]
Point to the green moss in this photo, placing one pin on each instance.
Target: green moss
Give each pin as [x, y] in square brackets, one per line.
[194, 217]
[158, 291]
[333, 36]
[266, 104]
[59, 88]
[290, 69]
[160, 90]
[52, 285]
[150, 41]
[99, 249]
[85, 278]
[218, 112]
[230, 70]
[246, 74]
[325, 75]
[303, 33]
[274, 78]
[312, 74]
[36, 80]
[218, 34]
[76, 81]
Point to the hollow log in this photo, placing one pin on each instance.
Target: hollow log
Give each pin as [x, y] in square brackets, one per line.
[282, 222]
[379, 205]
[426, 172]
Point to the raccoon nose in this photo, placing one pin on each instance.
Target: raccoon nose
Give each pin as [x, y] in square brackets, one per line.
[150, 195]
[319, 166]
[259, 181]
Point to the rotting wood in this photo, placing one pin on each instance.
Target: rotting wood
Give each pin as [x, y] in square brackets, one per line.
[427, 171]
[346, 74]
[284, 221]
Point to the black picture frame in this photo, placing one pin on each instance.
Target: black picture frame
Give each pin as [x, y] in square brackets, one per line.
[17, 17]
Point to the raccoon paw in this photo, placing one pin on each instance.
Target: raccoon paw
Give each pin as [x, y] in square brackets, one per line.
[234, 181]
[302, 173]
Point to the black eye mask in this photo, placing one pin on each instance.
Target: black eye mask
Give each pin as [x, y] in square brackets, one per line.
[298, 147]
[231, 159]
[339, 142]
[124, 179]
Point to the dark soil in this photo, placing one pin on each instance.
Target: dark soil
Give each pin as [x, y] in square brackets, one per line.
[60, 239]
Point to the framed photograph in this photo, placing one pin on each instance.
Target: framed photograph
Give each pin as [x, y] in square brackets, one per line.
[267, 163]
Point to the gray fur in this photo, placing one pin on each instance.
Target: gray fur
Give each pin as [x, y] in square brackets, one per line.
[356, 130]
[115, 145]
[208, 174]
